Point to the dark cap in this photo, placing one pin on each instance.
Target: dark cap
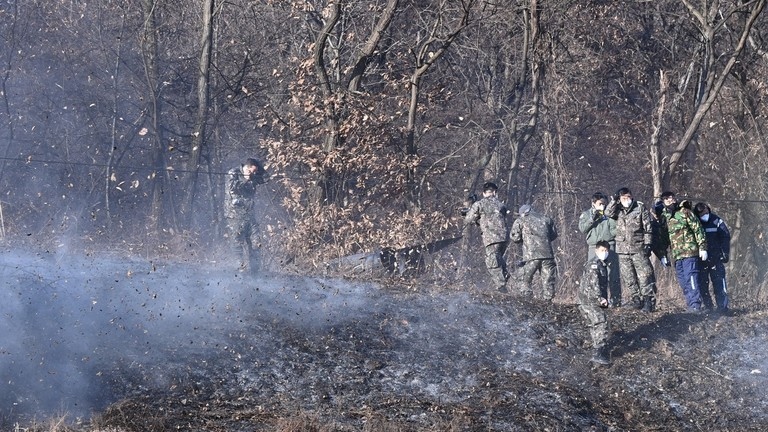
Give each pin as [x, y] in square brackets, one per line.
[490, 186]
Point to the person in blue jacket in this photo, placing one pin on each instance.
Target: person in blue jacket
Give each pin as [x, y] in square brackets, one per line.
[719, 247]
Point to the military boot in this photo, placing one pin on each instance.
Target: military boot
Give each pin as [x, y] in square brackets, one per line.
[601, 356]
[648, 304]
[635, 303]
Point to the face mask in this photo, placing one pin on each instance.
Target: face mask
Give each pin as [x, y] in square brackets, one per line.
[599, 206]
[602, 255]
[626, 203]
[705, 218]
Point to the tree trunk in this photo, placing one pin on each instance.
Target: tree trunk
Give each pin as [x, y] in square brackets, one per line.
[203, 85]
[149, 46]
[322, 191]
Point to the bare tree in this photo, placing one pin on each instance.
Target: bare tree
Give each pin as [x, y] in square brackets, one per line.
[203, 85]
[712, 21]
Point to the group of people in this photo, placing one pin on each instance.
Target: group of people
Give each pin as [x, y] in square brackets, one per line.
[621, 234]
[533, 230]
[698, 240]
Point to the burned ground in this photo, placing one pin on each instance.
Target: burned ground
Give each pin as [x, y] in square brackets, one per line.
[149, 346]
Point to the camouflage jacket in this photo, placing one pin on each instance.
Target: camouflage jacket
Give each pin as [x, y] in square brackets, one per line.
[491, 215]
[238, 203]
[594, 282]
[633, 226]
[686, 238]
[536, 232]
[603, 228]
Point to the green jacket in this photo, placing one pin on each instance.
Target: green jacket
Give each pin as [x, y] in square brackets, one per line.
[686, 238]
[604, 228]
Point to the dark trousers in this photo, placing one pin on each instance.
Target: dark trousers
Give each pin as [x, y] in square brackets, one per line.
[687, 271]
[714, 271]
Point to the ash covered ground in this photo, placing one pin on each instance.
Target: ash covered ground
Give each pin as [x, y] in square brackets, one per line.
[143, 345]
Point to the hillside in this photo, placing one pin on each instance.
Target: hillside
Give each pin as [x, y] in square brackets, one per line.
[142, 345]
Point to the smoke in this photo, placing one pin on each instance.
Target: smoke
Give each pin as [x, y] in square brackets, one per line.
[79, 332]
[82, 332]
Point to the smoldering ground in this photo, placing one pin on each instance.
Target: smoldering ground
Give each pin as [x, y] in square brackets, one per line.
[148, 345]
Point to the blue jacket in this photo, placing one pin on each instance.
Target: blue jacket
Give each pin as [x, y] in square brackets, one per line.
[718, 238]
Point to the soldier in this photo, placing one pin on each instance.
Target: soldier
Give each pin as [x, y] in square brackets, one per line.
[718, 252]
[490, 214]
[593, 300]
[660, 235]
[536, 232]
[633, 245]
[597, 226]
[238, 209]
[688, 244]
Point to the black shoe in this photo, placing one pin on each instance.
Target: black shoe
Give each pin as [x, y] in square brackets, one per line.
[648, 304]
[600, 356]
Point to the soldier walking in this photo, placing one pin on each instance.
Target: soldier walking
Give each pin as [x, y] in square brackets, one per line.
[593, 293]
[239, 211]
[491, 215]
[536, 232]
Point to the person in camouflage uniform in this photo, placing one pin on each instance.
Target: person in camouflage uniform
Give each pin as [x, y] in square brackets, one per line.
[491, 215]
[593, 293]
[688, 244]
[536, 232]
[238, 210]
[633, 245]
[718, 253]
[597, 226]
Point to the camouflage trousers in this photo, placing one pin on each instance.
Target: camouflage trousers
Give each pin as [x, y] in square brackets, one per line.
[637, 276]
[242, 235]
[548, 270]
[496, 264]
[597, 323]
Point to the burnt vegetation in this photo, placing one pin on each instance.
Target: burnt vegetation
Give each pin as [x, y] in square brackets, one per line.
[375, 119]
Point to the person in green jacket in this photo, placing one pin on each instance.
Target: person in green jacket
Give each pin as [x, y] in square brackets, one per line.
[594, 223]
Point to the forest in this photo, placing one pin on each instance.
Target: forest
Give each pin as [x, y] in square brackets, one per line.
[376, 119]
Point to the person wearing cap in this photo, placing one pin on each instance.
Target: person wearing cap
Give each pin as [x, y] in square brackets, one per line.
[633, 245]
[491, 215]
[688, 244]
[239, 211]
[596, 227]
[718, 254]
[536, 232]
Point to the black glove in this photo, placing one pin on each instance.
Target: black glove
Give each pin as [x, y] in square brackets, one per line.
[647, 250]
[725, 258]
[597, 215]
[616, 196]
[464, 211]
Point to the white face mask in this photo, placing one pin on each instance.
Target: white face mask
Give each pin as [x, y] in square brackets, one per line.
[602, 255]
[599, 206]
[705, 217]
[626, 203]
